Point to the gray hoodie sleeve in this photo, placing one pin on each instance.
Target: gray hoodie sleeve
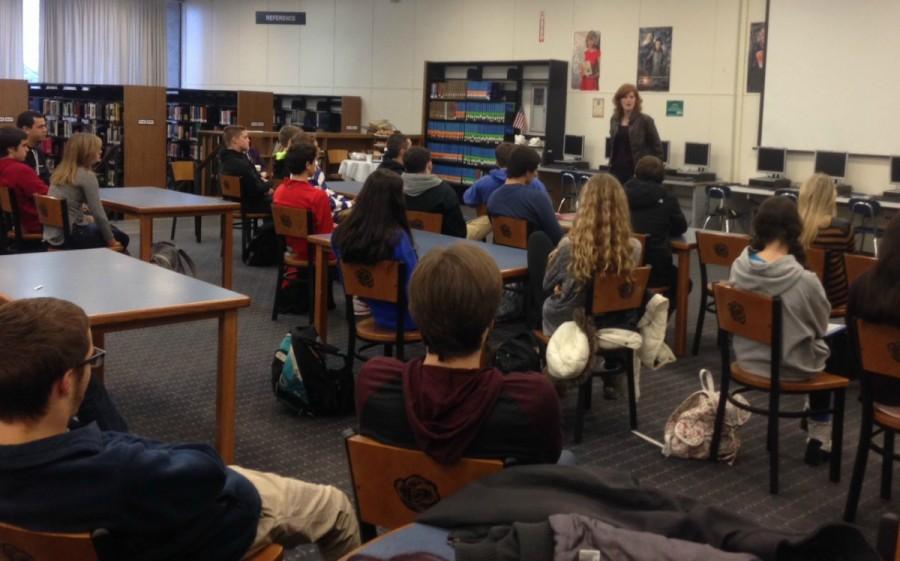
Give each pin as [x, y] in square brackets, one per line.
[87, 182]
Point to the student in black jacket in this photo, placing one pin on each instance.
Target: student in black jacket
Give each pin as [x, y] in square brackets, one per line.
[394, 151]
[425, 192]
[656, 212]
[256, 191]
[35, 126]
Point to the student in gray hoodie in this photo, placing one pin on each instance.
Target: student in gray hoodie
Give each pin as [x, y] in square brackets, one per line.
[772, 265]
[425, 192]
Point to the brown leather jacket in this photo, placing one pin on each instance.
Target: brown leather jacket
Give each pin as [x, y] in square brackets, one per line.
[642, 134]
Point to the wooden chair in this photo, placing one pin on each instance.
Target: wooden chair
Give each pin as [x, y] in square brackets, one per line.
[334, 158]
[508, 231]
[53, 212]
[758, 317]
[184, 177]
[19, 543]
[719, 250]
[428, 221]
[296, 223]
[231, 190]
[384, 281]
[816, 257]
[392, 485]
[856, 265]
[887, 541]
[11, 225]
[877, 355]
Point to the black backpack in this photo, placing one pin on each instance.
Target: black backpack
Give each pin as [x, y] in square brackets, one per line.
[519, 353]
[262, 251]
[302, 380]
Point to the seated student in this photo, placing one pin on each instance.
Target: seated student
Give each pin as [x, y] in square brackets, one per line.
[338, 202]
[429, 193]
[297, 192]
[773, 265]
[655, 211]
[35, 126]
[256, 192]
[158, 501]
[286, 134]
[448, 404]
[517, 199]
[822, 229]
[395, 149]
[19, 178]
[74, 181]
[875, 297]
[479, 192]
[377, 230]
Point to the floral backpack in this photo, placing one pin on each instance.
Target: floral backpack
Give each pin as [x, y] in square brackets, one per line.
[689, 429]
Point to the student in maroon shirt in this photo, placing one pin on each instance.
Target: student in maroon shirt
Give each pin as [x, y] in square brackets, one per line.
[22, 180]
[296, 191]
[446, 403]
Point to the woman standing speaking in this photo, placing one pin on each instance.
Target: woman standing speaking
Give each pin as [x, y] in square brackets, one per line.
[633, 134]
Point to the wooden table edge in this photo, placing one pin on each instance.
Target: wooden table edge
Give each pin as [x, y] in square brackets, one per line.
[179, 312]
[162, 211]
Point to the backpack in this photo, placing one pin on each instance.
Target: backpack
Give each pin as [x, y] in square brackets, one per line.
[168, 256]
[519, 353]
[262, 251]
[689, 429]
[302, 380]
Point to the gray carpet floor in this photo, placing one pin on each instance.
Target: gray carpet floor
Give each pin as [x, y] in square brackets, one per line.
[163, 379]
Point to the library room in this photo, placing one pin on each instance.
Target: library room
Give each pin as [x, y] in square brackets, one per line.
[420, 280]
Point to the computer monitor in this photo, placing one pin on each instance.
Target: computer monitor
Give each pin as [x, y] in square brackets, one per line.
[770, 160]
[831, 163]
[696, 154]
[573, 145]
[608, 149]
[665, 150]
[895, 169]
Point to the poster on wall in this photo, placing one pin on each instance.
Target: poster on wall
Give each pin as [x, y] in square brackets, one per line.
[586, 61]
[654, 58]
[756, 60]
[597, 108]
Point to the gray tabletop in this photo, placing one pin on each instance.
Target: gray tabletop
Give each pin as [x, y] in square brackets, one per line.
[349, 189]
[157, 200]
[112, 288]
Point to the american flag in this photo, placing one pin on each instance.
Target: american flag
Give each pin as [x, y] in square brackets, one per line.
[520, 122]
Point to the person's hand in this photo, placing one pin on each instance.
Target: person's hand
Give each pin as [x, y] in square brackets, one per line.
[557, 290]
[264, 175]
[116, 246]
[88, 219]
[271, 191]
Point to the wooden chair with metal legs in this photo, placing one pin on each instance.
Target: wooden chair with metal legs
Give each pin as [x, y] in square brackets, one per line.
[334, 157]
[816, 258]
[19, 543]
[11, 224]
[509, 231]
[868, 210]
[719, 250]
[427, 221]
[295, 223]
[246, 222]
[54, 212]
[384, 281]
[184, 176]
[393, 485]
[758, 317]
[877, 356]
[856, 265]
[725, 214]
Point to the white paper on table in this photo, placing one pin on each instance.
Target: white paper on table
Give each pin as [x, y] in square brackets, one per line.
[834, 328]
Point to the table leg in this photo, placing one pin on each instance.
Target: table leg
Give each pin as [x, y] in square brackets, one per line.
[681, 297]
[227, 381]
[146, 237]
[320, 319]
[99, 339]
[227, 248]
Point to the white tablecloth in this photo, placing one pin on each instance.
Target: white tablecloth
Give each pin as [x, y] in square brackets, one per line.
[355, 170]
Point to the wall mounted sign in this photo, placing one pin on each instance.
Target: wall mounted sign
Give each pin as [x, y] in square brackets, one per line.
[146, 122]
[281, 18]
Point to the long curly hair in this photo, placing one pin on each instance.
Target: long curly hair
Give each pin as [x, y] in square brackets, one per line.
[602, 230]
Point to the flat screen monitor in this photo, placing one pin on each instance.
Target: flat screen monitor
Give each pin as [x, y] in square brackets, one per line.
[895, 169]
[696, 154]
[831, 163]
[608, 149]
[573, 145]
[665, 149]
[770, 160]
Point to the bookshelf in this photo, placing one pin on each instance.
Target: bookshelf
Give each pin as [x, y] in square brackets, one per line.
[13, 100]
[323, 113]
[190, 111]
[470, 107]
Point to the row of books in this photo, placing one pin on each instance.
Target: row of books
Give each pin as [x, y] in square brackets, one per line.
[181, 131]
[471, 155]
[180, 151]
[457, 174]
[66, 128]
[214, 116]
[494, 112]
[468, 132]
[57, 108]
[462, 89]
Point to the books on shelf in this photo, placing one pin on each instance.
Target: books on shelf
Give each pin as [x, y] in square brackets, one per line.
[457, 174]
[471, 155]
[489, 112]
[478, 133]
[467, 89]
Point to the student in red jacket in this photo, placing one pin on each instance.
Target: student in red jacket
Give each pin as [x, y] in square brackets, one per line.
[21, 179]
[298, 192]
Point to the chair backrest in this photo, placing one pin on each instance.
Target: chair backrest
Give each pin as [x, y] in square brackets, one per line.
[336, 156]
[7, 201]
[616, 293]
[720, 249]
[748, 314]
[481, 210]
[52, 211]
[381, 281]
[428, 221]
[8, 208]
[643, 239]
[231, 186]
[183, 170]
[815, 262]
[857, 265]
[865, 207]
[509, 231]
[879, 347]
[19, 543]
[789, 193]
[718, 191]
[291, 221]
[393, 485]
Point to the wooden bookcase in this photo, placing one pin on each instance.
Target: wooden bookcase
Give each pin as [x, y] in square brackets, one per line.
[13, 100]
[323, 113]
[470, 107]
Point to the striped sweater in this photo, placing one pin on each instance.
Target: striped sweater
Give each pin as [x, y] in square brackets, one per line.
[836, 239]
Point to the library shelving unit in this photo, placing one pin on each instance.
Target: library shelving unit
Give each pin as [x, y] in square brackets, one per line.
[470, 107]
[13, 100]
[131, 120]
[326, 113]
